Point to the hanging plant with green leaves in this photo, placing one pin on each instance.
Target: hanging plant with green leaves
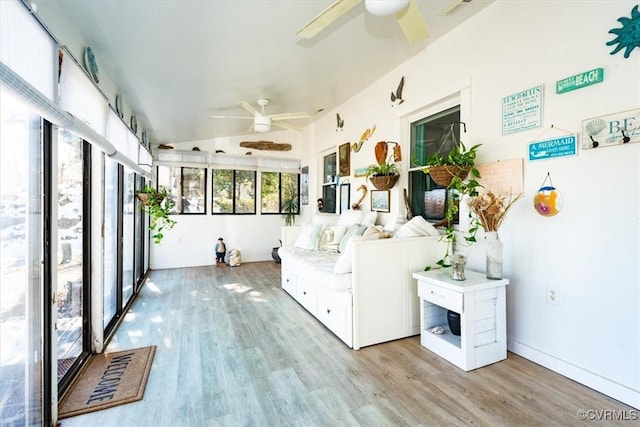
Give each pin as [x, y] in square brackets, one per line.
[456, 170]
[158, 204]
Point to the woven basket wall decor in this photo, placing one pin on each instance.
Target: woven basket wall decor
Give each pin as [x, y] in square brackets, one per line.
[443, 174]
[384, 182]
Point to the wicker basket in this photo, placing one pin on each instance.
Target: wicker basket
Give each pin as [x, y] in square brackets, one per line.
[443, 174]
[384, 182]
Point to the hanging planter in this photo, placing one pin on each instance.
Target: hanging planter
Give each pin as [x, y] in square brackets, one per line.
[158, 206]
[145, 198]
[384, 182]
[444, 174]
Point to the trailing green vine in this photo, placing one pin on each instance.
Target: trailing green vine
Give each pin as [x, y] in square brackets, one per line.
[158, 204]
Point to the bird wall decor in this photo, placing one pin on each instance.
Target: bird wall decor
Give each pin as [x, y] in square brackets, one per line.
[356, 146]
[396, 97]
[340, 123]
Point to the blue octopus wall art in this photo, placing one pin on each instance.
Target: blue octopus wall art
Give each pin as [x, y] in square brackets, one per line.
[628, 37]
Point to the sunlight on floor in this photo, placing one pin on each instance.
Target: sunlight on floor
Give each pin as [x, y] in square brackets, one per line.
[153, 287]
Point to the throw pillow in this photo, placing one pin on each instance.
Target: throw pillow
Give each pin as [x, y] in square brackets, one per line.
[354, 230]
[309, 237]
[330, 239]
[417, 227]
[350, 217]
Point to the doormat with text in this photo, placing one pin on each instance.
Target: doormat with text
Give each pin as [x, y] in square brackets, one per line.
[110, 379]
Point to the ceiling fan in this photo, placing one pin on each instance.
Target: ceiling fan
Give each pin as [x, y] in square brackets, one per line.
[407, 14]
[262, 122]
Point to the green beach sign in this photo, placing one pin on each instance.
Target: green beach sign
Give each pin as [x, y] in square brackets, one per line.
[581, 80]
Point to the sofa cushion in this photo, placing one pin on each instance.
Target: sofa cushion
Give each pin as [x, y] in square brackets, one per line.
[330, 238]
[309, 237]
[416, 227]
[350, 217]
[354, 230]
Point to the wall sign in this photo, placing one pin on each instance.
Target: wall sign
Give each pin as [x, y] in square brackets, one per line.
[613, 129]
[581, 80]
[522, 110]
[563, 146]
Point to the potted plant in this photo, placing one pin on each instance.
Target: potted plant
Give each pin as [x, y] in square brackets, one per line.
[452, 171]
[383, 175]
[458, 162]
[158, 205]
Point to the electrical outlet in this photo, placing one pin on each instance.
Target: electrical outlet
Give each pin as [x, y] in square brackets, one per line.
[553, 296]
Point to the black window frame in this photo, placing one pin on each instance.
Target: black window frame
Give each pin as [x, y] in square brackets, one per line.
[420, 182]
[234, 182]
[280, 189]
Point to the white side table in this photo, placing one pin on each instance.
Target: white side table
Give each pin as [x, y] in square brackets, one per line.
[481, 303]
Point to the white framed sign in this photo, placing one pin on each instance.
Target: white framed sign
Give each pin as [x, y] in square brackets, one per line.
[522, 111]
[612, 129]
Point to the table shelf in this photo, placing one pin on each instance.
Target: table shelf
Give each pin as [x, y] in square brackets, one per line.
[481, 303]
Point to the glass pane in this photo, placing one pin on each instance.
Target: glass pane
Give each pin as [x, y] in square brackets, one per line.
[431, 135]
[290, 191]
[193, 188]
[21, 364]
[128, 211]
[245, 192]
[329, 168]
[269, 194]
[110, 240]
[222, 191]
[69, 201]
[169, 178]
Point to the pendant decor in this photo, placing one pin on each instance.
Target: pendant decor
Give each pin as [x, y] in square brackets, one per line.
[548, 200]
[494, 255]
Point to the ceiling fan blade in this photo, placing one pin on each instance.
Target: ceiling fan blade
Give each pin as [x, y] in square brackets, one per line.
[250, 108]
[326, 17]
[287, 126]
[412, 22]
[289, 116]
[231, 117]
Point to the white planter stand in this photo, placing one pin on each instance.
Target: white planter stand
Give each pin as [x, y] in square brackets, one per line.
[481, 303]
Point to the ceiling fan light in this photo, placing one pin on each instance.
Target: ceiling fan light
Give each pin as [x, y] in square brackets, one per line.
[385, 7]
[262, 124]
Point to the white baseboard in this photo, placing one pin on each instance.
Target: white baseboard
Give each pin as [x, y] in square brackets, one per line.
[612, 389]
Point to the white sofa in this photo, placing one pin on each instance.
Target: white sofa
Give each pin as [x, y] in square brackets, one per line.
[377, 301]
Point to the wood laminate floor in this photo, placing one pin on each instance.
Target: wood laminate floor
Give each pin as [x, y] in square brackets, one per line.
[233, 349]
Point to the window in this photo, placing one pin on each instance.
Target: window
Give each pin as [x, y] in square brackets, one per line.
[233, 191]
[430, 135]
[329, 185]
[187, 187]
[278, 188]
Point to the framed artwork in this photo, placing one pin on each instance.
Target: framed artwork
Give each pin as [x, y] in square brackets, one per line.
[380, 200]
[344, 156]
[304, 185]
[345, 190]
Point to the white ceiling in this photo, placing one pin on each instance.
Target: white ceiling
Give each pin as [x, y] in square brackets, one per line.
[177, 62]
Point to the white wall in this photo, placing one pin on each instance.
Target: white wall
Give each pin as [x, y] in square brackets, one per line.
[590, 251]
[191, 242]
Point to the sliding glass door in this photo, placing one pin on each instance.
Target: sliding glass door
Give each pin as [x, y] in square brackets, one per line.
[24, 383]
[71, 196]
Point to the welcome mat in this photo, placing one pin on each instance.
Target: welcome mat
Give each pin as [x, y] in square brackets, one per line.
[110, 379]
